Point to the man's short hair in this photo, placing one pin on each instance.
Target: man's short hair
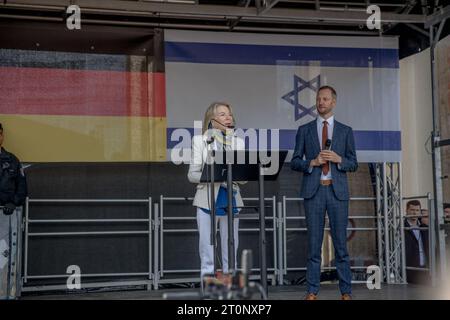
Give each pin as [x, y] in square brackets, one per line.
[333, 92]
[446, 206]
[1, 127]
[412, 203]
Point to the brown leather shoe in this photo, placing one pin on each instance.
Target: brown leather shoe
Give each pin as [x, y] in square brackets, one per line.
[346, 296]
[311, 296]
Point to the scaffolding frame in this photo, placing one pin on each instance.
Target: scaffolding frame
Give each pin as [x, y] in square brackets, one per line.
[391, 242]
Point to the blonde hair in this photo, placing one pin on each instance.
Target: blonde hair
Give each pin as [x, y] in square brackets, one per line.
[211, 112]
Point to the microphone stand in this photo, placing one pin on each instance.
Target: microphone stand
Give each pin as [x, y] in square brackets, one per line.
[210, 160]
[230, 214]
[231, 258]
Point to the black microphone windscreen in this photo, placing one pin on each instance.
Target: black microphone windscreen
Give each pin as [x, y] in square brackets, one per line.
[229, 127]
[328, 144]
[210, 137]
[246, 261]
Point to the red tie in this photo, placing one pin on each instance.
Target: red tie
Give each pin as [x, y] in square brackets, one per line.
[325, 166]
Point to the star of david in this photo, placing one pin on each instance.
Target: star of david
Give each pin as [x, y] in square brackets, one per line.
[292, 96]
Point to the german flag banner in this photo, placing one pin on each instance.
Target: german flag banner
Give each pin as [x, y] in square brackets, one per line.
[90, 95]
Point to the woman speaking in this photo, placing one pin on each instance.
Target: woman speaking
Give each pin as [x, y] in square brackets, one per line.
[217, 134]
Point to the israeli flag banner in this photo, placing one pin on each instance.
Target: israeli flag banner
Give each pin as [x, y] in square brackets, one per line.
[272, 80]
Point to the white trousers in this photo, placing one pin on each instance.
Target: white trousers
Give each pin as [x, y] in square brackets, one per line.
[205, 247]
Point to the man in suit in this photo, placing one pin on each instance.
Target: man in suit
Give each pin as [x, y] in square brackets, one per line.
[416, 244]
[325, 152]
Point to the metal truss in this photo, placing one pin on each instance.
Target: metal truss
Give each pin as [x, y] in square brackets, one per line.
[281, 16]
[264, 11]
[391, 242]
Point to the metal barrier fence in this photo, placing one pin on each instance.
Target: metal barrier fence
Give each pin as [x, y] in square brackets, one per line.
[285, 218]
[162, 231]
[157, 233]
[27, 235]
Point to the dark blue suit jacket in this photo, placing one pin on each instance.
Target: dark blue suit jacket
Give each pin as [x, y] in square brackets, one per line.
[307, 147]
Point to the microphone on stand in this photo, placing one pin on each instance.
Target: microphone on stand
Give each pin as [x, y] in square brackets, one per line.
[210, 137]
[247, 262]
[225, 135]
[229, 127]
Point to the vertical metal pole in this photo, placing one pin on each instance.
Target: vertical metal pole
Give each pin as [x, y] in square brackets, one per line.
[262, 230]
[156, 247]
[402, 231]
[395, 236]
[274, 238]
[436, 159]
[20, 226]
[431, 242]
[280, 242]
[393, 232]
[386, 225]
[25, 254]
[284, 237]
[212, 209]
[10, 258]
[150, 234]
[161, 230]
[231, 258]
[380, 220]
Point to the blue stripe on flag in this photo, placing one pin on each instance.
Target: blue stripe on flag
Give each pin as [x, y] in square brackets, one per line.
[222, 53]
[364, 140]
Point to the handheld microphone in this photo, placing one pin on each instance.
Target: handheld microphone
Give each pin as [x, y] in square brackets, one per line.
[327, 144]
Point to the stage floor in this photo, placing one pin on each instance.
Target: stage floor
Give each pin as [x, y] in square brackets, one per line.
[289, 292]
